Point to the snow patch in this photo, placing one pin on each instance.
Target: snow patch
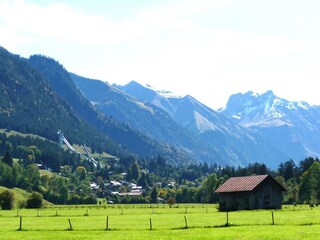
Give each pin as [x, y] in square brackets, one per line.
[168, 94]
[203, 123]
[237, 116]
[94, 103]
[266, 123]
[255, 94]
[303, 105]
[162, 92]
[291, 106]
[143, 106]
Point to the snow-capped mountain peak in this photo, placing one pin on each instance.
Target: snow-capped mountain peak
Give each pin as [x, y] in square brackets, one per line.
[162, 92]
[253, 109]
[292, 126]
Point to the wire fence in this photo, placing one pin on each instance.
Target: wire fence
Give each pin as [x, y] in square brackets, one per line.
[150, 217]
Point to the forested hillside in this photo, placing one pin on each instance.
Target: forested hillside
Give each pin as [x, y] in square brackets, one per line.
[129, 139]
[29, 104]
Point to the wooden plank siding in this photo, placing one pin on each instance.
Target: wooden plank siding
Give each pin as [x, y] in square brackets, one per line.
[263, 194]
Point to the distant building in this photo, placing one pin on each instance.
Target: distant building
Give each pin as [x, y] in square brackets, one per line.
[131, 194]
[252, 192]
[94, 186]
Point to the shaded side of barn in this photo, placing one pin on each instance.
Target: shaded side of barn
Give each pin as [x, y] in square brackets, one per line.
[251, 192]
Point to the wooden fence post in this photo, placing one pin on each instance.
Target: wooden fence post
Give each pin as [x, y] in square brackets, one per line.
[107, 223]
[20, 228]
[185, 222]
[70, 225]
[150, 224]
[227, 224]
[272, 217]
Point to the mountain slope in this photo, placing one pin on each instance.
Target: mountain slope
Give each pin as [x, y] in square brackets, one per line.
[232, 140]
[125, 108]
[129, 139]
[147, 94]
[232, 143]
[29, 104]
[149, 119]
[291, 126]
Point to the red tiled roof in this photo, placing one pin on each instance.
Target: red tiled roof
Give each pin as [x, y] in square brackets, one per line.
[241, 184]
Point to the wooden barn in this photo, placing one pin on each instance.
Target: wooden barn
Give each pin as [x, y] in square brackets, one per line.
[251, 192]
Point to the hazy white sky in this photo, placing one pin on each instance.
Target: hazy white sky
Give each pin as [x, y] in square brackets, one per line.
[209, 49]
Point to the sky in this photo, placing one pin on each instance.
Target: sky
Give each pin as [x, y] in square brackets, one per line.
[209, 49]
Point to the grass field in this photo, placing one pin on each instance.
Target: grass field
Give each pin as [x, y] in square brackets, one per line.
[11, 132]
[159, 222]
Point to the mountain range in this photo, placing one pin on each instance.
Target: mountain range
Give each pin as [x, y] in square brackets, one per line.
[291, 126]
[40, 96]
[183, 121]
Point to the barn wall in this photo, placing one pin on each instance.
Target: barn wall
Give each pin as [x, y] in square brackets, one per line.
[236, 201]
[268, 196]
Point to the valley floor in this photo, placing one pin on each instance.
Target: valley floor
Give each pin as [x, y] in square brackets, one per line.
[159, 222]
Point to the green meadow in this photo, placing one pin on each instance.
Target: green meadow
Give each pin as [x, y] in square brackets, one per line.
[159, 222]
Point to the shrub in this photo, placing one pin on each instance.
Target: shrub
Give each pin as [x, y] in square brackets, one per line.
[22, 204]
[34, 200]
[6, 200]
[90, 200]
[171, 201]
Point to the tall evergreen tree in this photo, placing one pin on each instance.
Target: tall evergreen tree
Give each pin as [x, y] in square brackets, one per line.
[134, 171]
[154, 195]
[310, 182]
[7, 159]
[142, 181]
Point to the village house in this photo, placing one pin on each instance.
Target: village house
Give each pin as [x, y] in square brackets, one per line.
[131, 189]
[251, 192]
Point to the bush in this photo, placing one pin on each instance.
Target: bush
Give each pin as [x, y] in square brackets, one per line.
[34, 200]
[171, 201]
[6, 200]
[22, 204]
[90, 200]
[75, 199]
